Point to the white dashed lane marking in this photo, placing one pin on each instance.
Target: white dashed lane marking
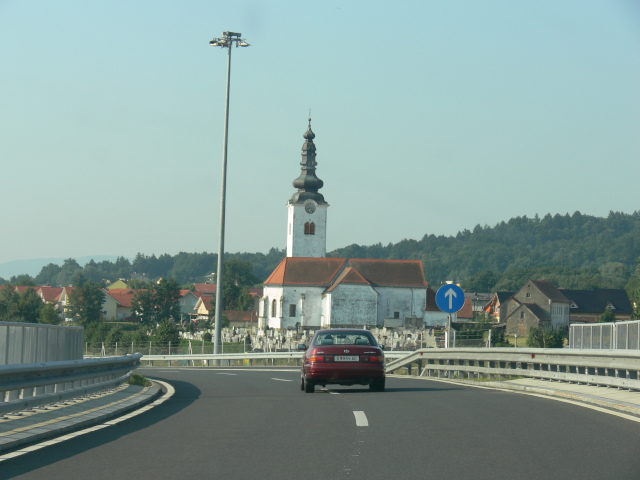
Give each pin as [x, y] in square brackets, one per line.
[361, 419]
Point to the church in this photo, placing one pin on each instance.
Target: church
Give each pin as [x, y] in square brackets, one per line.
[310, 290]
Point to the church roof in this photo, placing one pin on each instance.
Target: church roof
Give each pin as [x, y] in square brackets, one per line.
[328, 271]
[305, 271]
[401, 273]
[349, 275]
[308, 182]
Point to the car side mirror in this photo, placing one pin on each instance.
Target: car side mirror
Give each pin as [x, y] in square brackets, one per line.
[302, 346]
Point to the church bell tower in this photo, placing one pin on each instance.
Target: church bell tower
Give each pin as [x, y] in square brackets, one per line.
[307, 224]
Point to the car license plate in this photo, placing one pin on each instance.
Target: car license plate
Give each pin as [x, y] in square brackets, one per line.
[347, 358]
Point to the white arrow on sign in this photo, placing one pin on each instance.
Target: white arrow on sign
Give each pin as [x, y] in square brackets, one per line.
[451, 294]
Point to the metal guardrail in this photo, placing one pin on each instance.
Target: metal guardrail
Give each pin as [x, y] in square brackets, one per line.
[238, 359]
[31, 385]
[610, 368]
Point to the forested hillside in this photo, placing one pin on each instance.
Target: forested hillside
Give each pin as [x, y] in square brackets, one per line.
[573, 251]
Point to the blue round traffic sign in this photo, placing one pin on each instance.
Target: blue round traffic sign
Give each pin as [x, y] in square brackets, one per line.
[450, 298]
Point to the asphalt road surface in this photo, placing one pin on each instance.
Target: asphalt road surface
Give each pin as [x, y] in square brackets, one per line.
[257, 424]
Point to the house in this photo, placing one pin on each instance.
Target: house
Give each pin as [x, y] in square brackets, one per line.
[119, 284]
[63, 302]
[205, 289]
[188, 301]
[310, 290]
[497, 305]
[118, 304]
[204, 309]
[466, 313]
[478, 301]
[539, 303]
[587, 306]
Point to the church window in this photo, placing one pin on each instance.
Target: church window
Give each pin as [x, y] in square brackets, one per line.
[273, 308]
[292, 310]
[309, 228]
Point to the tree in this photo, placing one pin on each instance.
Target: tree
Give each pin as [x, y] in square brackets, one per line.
[48, 275]
[608, 316]
[69, 268]
[20, 307]
[85, 302]
[167, 299]
[541, 337]
[23, 281]
[167, 332]
[8, 304]
[49, 314]
[633, 290]
[143, 306]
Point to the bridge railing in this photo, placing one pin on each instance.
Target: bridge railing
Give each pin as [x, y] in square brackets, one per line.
[610, 368]
[30, 385]
[239, 359]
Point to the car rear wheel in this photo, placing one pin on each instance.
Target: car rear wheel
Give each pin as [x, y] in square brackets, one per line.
[309, 387]
[377, 385]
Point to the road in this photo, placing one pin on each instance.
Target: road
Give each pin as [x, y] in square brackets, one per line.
[256, 423]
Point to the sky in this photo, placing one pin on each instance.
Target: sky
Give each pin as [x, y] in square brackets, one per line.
[430, 117]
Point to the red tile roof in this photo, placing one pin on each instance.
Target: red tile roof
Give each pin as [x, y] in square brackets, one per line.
[305, 271]
[349, 275]
[405, 273]
[323, 272]
[123, 298]
[467, 309]
[205, 288]
[49, 294]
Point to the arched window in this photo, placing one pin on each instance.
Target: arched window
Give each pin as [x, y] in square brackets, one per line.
[273, 307]
[309, 228]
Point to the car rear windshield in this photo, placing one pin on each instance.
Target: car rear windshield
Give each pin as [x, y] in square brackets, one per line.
[345, 338]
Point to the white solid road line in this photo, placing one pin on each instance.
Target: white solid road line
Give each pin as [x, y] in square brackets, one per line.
[361, 418]
[226, 373]
[166, 396]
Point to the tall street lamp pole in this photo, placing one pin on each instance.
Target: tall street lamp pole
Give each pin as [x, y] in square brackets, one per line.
[227, 40]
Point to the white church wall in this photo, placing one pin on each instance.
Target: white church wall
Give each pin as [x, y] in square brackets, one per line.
[308, 306]
[401, 302]
[352, 305]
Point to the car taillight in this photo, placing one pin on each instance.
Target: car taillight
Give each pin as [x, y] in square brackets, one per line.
[320, 357]
[376, 358]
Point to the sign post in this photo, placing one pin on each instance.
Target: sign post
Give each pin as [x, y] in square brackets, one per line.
[450, 299]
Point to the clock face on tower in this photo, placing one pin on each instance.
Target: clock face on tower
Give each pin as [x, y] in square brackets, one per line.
[310, 207]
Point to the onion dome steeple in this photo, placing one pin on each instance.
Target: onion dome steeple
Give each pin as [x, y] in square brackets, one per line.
[308, 183]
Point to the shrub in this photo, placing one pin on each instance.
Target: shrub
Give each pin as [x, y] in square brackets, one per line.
[141, 380]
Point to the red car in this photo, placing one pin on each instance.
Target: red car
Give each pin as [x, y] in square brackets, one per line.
[343, 357]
